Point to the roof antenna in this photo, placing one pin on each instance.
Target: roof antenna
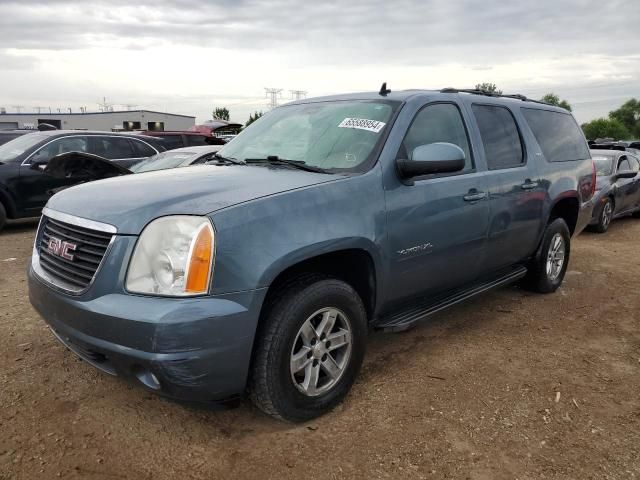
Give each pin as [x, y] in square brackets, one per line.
[384, 90]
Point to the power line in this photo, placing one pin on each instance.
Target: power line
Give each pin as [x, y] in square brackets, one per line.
[273, 94]
[298, 94]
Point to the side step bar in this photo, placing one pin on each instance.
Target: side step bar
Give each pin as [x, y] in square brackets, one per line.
[407, 318]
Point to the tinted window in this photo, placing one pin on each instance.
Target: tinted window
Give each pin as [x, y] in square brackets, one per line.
[141, 149]
[61, 145]
[172, 141]
[113, 147]
[194, 140]
[441, 122]
[558, 135]
[500, 137]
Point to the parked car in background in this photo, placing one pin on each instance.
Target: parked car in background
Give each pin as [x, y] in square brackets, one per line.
[326, 218]
[25, 189]
[8, 135]
[180, 157]
[172, 140]
[617, 188]
[86, 167]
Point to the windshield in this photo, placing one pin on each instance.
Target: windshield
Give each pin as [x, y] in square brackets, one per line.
[16, 147]
[604, 166]
[164, 160]
[329, 135]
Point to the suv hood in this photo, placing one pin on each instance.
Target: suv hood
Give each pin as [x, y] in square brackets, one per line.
[130, 202]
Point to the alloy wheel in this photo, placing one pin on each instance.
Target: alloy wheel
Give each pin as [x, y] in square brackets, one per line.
[321, 351]
[555, 257]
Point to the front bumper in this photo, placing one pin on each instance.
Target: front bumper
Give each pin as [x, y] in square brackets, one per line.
[194, 349]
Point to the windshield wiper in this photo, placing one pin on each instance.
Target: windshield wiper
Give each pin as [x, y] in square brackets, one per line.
[216, 157]
[299, 164]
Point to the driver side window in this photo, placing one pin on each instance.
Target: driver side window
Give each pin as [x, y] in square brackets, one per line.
[440, 122]
[61, 145]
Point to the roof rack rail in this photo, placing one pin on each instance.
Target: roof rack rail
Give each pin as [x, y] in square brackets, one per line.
[475, 91]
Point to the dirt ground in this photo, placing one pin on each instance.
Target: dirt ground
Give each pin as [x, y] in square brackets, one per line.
[510, 385]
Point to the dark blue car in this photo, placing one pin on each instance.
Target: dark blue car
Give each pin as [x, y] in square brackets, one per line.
[617, 189]
[262, 272]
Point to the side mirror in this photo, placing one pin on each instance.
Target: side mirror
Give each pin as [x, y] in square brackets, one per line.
[38, 165]
[626, 174]
[432, 158]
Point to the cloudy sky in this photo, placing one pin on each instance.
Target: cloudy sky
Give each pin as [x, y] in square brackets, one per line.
[187, 56]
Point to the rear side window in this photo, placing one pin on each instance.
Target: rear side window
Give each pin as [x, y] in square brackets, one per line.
[113, 148]
[500, 136]
[172, 141]
[634, 163]
[195, 140]
[141, 149]
[558, 135]
[440, 122]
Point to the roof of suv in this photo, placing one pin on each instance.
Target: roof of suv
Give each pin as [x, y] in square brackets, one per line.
[404, 95]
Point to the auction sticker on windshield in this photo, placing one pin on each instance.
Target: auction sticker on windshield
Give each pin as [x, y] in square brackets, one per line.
[362, 124]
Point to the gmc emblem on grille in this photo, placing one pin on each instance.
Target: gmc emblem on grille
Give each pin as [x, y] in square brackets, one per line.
[61, 248]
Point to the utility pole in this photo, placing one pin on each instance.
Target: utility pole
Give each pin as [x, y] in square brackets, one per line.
[273, 94]
[298, 94]
[39, 110]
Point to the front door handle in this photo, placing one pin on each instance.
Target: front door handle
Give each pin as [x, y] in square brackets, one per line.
[475, 196]
[529, 185]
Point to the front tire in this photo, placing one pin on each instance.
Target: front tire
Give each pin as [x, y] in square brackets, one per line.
[548, 267]
[309, 349]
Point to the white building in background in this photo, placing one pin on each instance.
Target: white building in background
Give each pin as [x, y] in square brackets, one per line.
[109, 121]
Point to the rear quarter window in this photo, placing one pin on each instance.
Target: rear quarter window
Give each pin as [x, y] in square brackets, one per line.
[558, 135]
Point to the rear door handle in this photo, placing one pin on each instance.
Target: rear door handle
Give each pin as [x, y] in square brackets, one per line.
[474, 197]
[529, 185]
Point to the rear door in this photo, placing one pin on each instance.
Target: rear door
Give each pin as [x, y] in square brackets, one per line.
[516, 197]
[437, 226]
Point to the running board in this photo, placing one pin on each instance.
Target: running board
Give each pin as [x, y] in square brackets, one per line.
[423, 308]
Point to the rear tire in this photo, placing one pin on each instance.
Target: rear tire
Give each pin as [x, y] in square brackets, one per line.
[297, 373]
[605, 217]
[548, 267]
[3, 216]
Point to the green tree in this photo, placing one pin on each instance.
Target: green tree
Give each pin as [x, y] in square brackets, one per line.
[629, 115]
[253, 117]
[489, 88]
[553, 99]
[221, 113]
[605, 127]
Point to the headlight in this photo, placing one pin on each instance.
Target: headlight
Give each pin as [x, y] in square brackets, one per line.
[173, 256]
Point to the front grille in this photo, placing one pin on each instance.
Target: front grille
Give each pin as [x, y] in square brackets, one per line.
[90, 247]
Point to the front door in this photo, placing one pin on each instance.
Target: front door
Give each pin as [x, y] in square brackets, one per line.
[36, 187]
[436, 227]
[516, 194]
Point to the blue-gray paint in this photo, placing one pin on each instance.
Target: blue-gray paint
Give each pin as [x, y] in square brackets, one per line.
[422, 239]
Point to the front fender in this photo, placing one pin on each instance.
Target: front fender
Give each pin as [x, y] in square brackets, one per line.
[257, 240]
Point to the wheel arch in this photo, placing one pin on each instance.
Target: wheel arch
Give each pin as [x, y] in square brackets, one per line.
[356, 262]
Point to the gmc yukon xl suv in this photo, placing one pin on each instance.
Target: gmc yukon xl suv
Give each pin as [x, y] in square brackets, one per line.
[262, 272]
